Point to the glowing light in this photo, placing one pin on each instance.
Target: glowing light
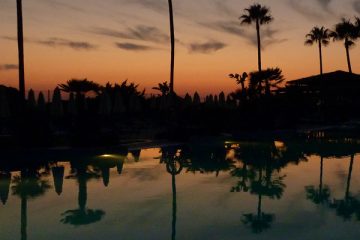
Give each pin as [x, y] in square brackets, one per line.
[279, 144]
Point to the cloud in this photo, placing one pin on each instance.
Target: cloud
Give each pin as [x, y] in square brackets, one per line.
[248, 34]
[10, 38]
[230, 27]
[7, 67]
[140, 32]
[310, 11]
[60, 42]
[57, 42]
[155, 5]
[133, 47]
[356, 5]
[325, 4]
[58, 3]
[222, 7]
[207, 47]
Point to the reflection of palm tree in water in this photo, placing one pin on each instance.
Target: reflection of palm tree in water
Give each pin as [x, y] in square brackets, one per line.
[322, 194]
[5, 180]
[28, 185]
[256, 159]
[348, 206]
[270, 186]
[82, 215]
[174, 166]
[245, 175]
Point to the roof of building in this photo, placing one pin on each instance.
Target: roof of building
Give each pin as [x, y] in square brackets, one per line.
[337, 78]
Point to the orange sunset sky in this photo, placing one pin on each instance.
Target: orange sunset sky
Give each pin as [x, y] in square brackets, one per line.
[114, 40]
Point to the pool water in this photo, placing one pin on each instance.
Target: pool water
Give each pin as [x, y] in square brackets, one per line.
[307, 189]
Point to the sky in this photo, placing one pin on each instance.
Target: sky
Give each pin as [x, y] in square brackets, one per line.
[114, 40]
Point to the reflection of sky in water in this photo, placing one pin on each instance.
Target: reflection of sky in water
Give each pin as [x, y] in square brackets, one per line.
[138, 204]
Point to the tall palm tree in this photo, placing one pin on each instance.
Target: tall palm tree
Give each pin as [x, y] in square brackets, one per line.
[259, 15]
[20, 48]
[321, 36]
[172, 39]
[345, 31]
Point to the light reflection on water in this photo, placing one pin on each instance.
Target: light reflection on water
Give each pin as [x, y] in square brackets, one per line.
[250, 190]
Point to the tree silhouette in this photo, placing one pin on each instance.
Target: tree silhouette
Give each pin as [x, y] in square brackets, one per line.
[28, 185]
[261, 81]
[321, 36]
[322, 194]
[272, 187]
[349, 205]
[80, 87]
[5, 181]
[164, 88]
[256, 159]
[245, 175]
[82, 215]
[20, 49]
[172, 39]
[345, 31]
[174, 166]
[259, 15]
[240, 79]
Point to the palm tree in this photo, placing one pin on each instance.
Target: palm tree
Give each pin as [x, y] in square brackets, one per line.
[270, 77]
[349, 205]
[322, 194]
[82, 215]
[172, 39]
[20, 49]
[28, 185]
[345, 31]
[240, 79]
[321, 36]
[259, 15]
[164, 88]
[80, 87]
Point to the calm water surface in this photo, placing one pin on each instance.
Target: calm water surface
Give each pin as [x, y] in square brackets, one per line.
[216, 190]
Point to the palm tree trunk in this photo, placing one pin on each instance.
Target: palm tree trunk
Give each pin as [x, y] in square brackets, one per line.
[20, 49]
[348, 57]
[82, 195]
[174, 206]
[172, 39]
[23, 218]
[259, 206]
[259, 44]
[321, 62]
